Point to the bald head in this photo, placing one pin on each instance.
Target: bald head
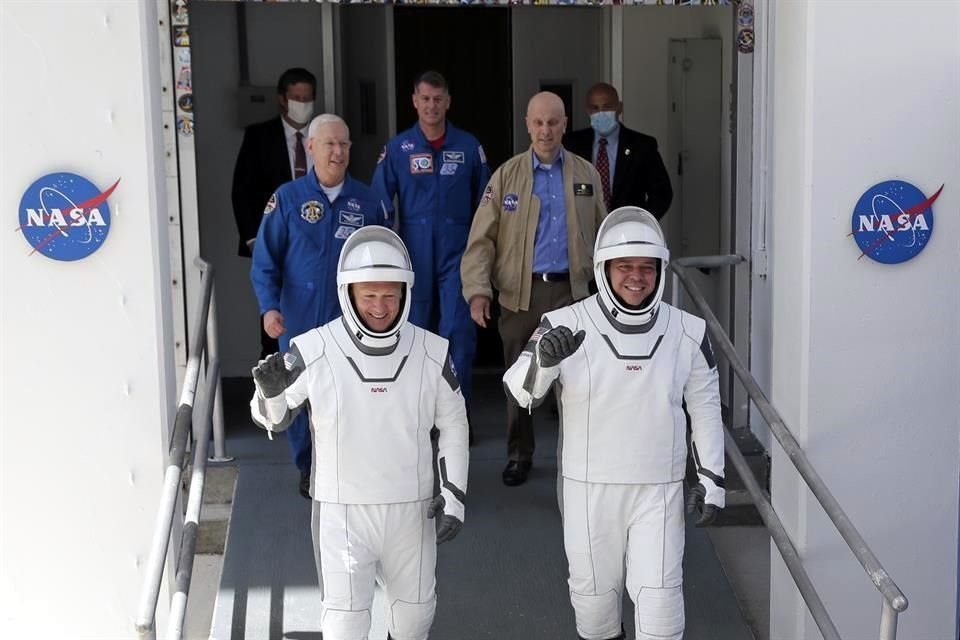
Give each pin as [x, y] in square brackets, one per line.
[546, 123]
[603, 97]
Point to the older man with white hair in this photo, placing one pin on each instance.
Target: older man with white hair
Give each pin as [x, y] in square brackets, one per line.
[304, 226]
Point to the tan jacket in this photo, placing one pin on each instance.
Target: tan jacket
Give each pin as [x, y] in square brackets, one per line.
[499, 251]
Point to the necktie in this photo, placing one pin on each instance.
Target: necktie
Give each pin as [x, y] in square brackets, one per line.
[603, 168]
[299, 158]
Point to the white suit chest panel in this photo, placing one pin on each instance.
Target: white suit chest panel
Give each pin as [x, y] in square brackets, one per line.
[621, 398]
[373, 437]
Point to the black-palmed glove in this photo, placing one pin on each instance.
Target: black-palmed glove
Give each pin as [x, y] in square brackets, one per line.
[696, 502]
[557, 344]
[449, 525]
[272, 376]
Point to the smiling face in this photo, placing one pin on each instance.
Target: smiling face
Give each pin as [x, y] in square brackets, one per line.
[330, 148]
[377, 303]
[431, 104]
[633, 279]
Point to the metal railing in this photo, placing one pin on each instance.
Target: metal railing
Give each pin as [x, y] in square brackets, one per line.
[203, 359]
[893, 599]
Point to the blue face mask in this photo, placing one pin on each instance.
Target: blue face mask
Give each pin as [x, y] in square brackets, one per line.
[604, 122]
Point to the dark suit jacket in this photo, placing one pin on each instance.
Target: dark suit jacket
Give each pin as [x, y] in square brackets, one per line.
[639, 178]
[263, 164]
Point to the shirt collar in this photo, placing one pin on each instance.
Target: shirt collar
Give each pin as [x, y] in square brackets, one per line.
[537, 164]
[613, 138]
[291, 132]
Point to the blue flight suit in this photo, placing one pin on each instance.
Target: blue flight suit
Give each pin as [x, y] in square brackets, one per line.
[295, 258]
[438, 193]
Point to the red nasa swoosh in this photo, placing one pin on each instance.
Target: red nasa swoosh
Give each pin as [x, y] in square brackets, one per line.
[913, 212]
[92, 203]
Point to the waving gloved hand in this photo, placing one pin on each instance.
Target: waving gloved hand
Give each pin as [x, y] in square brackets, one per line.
[449, 525]
[272, 375]
[558, 343]
[698, 500]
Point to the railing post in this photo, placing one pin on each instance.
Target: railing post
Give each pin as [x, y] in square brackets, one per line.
[888, 621]
[213, 354]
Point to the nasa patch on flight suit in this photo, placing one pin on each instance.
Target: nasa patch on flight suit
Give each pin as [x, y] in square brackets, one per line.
[271, 204]
[312, 211]
[582, 189]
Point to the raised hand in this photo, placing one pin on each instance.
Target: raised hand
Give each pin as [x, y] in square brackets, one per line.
[557, 344]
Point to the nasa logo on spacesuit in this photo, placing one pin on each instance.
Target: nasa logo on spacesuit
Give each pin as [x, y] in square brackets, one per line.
[312, 211]
[65, 216]
[893, 221]
[510, 202]
[353, 204]
[421, 163]
[378, 389]
[406, 145]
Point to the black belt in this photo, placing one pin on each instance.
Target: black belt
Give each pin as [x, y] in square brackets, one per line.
[561, 276]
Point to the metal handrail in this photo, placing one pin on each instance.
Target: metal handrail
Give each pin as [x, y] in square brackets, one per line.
[203, 346]
[893, 599]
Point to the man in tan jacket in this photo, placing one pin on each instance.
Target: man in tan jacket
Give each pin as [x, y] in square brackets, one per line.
[532, 240]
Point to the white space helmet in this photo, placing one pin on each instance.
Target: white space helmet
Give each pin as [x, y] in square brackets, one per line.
[629, 232]
[373, 254]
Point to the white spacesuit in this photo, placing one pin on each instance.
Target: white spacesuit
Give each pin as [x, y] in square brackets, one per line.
[373, 397]
[623, 433]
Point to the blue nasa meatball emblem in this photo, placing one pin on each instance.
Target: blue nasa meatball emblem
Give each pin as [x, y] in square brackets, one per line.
[65, 216]
[893, 221]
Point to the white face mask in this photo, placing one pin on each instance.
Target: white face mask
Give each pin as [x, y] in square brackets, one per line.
[299, 112]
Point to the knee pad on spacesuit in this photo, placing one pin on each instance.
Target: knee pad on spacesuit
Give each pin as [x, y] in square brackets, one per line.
[598, 617]
[659, 613]
[411, 620]
[345, 625]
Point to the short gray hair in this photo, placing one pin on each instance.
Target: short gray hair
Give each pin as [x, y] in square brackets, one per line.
[325, 118]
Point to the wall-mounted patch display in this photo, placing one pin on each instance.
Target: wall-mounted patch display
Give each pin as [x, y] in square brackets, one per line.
[185, 125]
[893, 221]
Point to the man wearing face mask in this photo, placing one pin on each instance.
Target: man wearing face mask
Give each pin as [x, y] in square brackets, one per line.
[630, 167]
[305, 224]
[272, 152]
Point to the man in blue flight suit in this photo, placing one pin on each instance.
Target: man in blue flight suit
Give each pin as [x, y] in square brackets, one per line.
[294, 270]
[438, 173]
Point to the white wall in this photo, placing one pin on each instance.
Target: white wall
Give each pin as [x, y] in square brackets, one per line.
[279, 36]
[555, 44]
[87, 360]
[865, 355]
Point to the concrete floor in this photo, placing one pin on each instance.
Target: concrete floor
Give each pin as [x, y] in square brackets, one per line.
[504, 577]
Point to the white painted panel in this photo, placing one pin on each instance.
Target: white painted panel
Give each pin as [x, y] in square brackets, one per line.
[86, 369]
[865, 355]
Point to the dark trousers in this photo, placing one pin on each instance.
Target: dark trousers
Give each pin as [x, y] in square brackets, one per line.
[516, 327]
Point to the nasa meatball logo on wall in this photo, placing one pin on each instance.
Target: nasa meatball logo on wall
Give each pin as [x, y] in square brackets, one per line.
[65, 216]
[893, 221]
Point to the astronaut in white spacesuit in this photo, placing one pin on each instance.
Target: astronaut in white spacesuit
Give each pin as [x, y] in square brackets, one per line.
[374, 385]
[623, 362]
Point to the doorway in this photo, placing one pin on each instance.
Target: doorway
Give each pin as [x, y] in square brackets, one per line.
[481, 87]
[448, 41]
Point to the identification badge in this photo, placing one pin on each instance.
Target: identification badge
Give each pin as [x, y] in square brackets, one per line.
[582, 189]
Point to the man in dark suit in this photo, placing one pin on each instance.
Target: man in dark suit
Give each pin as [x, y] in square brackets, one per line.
[272, 153]
[630, 167]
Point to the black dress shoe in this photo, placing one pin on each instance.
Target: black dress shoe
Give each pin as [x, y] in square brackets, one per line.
[516, 472]
[305, 484]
